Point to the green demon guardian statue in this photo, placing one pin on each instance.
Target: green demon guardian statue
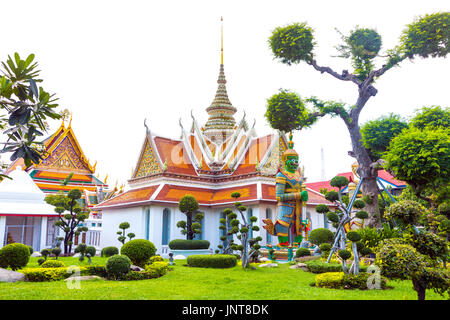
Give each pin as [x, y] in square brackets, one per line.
[291, 196]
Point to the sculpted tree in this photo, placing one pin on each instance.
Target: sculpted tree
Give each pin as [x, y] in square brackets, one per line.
[189, 206]
[427, 36]
[70, 215]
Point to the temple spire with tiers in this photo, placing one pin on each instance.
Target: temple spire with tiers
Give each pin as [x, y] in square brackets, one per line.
[221, 123]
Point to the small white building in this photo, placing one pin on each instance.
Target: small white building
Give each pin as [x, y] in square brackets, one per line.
[25, 217]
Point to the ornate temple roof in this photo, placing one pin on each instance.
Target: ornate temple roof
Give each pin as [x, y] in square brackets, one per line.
[167, 193]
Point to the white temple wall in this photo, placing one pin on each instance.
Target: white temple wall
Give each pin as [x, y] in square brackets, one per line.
[112, 218]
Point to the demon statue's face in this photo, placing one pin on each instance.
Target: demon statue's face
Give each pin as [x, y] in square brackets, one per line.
[291, 163]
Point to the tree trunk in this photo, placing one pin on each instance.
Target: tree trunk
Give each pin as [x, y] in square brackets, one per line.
[189, 234]
[369, 185]
[421, 290]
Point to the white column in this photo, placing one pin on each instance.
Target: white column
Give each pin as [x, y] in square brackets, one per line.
[2, 230]
[43, 233]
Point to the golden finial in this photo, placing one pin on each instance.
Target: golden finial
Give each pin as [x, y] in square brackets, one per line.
[70, 121]
[221, 40]
[106, 178]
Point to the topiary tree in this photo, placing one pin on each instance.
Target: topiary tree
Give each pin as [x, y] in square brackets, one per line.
[189, 206]
[139, 251]
[227, 231]
[70, 215]
[56, 251]
[122, 238]
[81, 249]
[427, 36]
[342, 217]
[426, 260]
[249, 247]
[14, 255]
[45, 253]
[26, 106]
[402, 261]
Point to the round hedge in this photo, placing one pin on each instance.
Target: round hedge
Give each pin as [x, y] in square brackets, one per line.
[53, 264]
[31, 249]
[302, 252]
[212, 261]
[344, 254]
[109, 251]
[353, 236]
[333, 217]
[182, 244]
[362, 215]
[320, 235]
[139, 251]
[91, 250]
[117, 266]
[407, 212]
[322, 208]
[14, 255]
[332, 196]
[339, 181]
[359, 204]
[325, 247]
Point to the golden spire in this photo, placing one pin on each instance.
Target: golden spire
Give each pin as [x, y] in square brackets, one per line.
[221, 40]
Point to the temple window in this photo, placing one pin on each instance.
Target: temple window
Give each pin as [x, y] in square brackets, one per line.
[165, 227]
[268, 216]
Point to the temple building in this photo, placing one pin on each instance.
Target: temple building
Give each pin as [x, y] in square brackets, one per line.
[209, 162]
[63, 159]
[25, 217]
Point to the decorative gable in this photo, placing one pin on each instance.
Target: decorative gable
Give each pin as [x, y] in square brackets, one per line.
[65, 156]
[148, 163]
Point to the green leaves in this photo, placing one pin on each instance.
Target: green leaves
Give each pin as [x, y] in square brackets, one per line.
[427, 36]
[286, 111]
[293, 43]
[27, 105]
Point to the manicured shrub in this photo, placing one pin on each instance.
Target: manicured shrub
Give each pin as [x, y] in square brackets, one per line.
[14, 255]
[181, 244]
[91, 250]
[212, 261]
[322, 208]
[117, 266]
[339, 280]
[40, 261]
[353, 236]
[157, 269]
[307, 258]
[366, 251]
[53, 264]
[332, 196]
[81, 248]
[45, 253]
[317, 266]
[333, 217]
[344, 254]
[301, 252]
[406, 212]
[333, 280]
[156, 258]
[359, 204]
[362, 215]
[45, 274]
[109, 251]
[56, 251]
[31, 249]
[398, 261]
[321, 235]
[139, 251]
[339, 181]
[325, 248]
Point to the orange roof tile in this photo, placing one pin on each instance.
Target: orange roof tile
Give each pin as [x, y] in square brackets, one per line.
[254, 154]
[130, 196]
[174, 154]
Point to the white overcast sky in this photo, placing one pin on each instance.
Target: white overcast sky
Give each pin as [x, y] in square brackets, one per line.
[114, 63]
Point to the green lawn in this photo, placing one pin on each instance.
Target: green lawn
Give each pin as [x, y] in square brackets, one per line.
[185, 283]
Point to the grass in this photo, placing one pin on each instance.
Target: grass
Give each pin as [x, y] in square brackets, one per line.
[186, 283]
